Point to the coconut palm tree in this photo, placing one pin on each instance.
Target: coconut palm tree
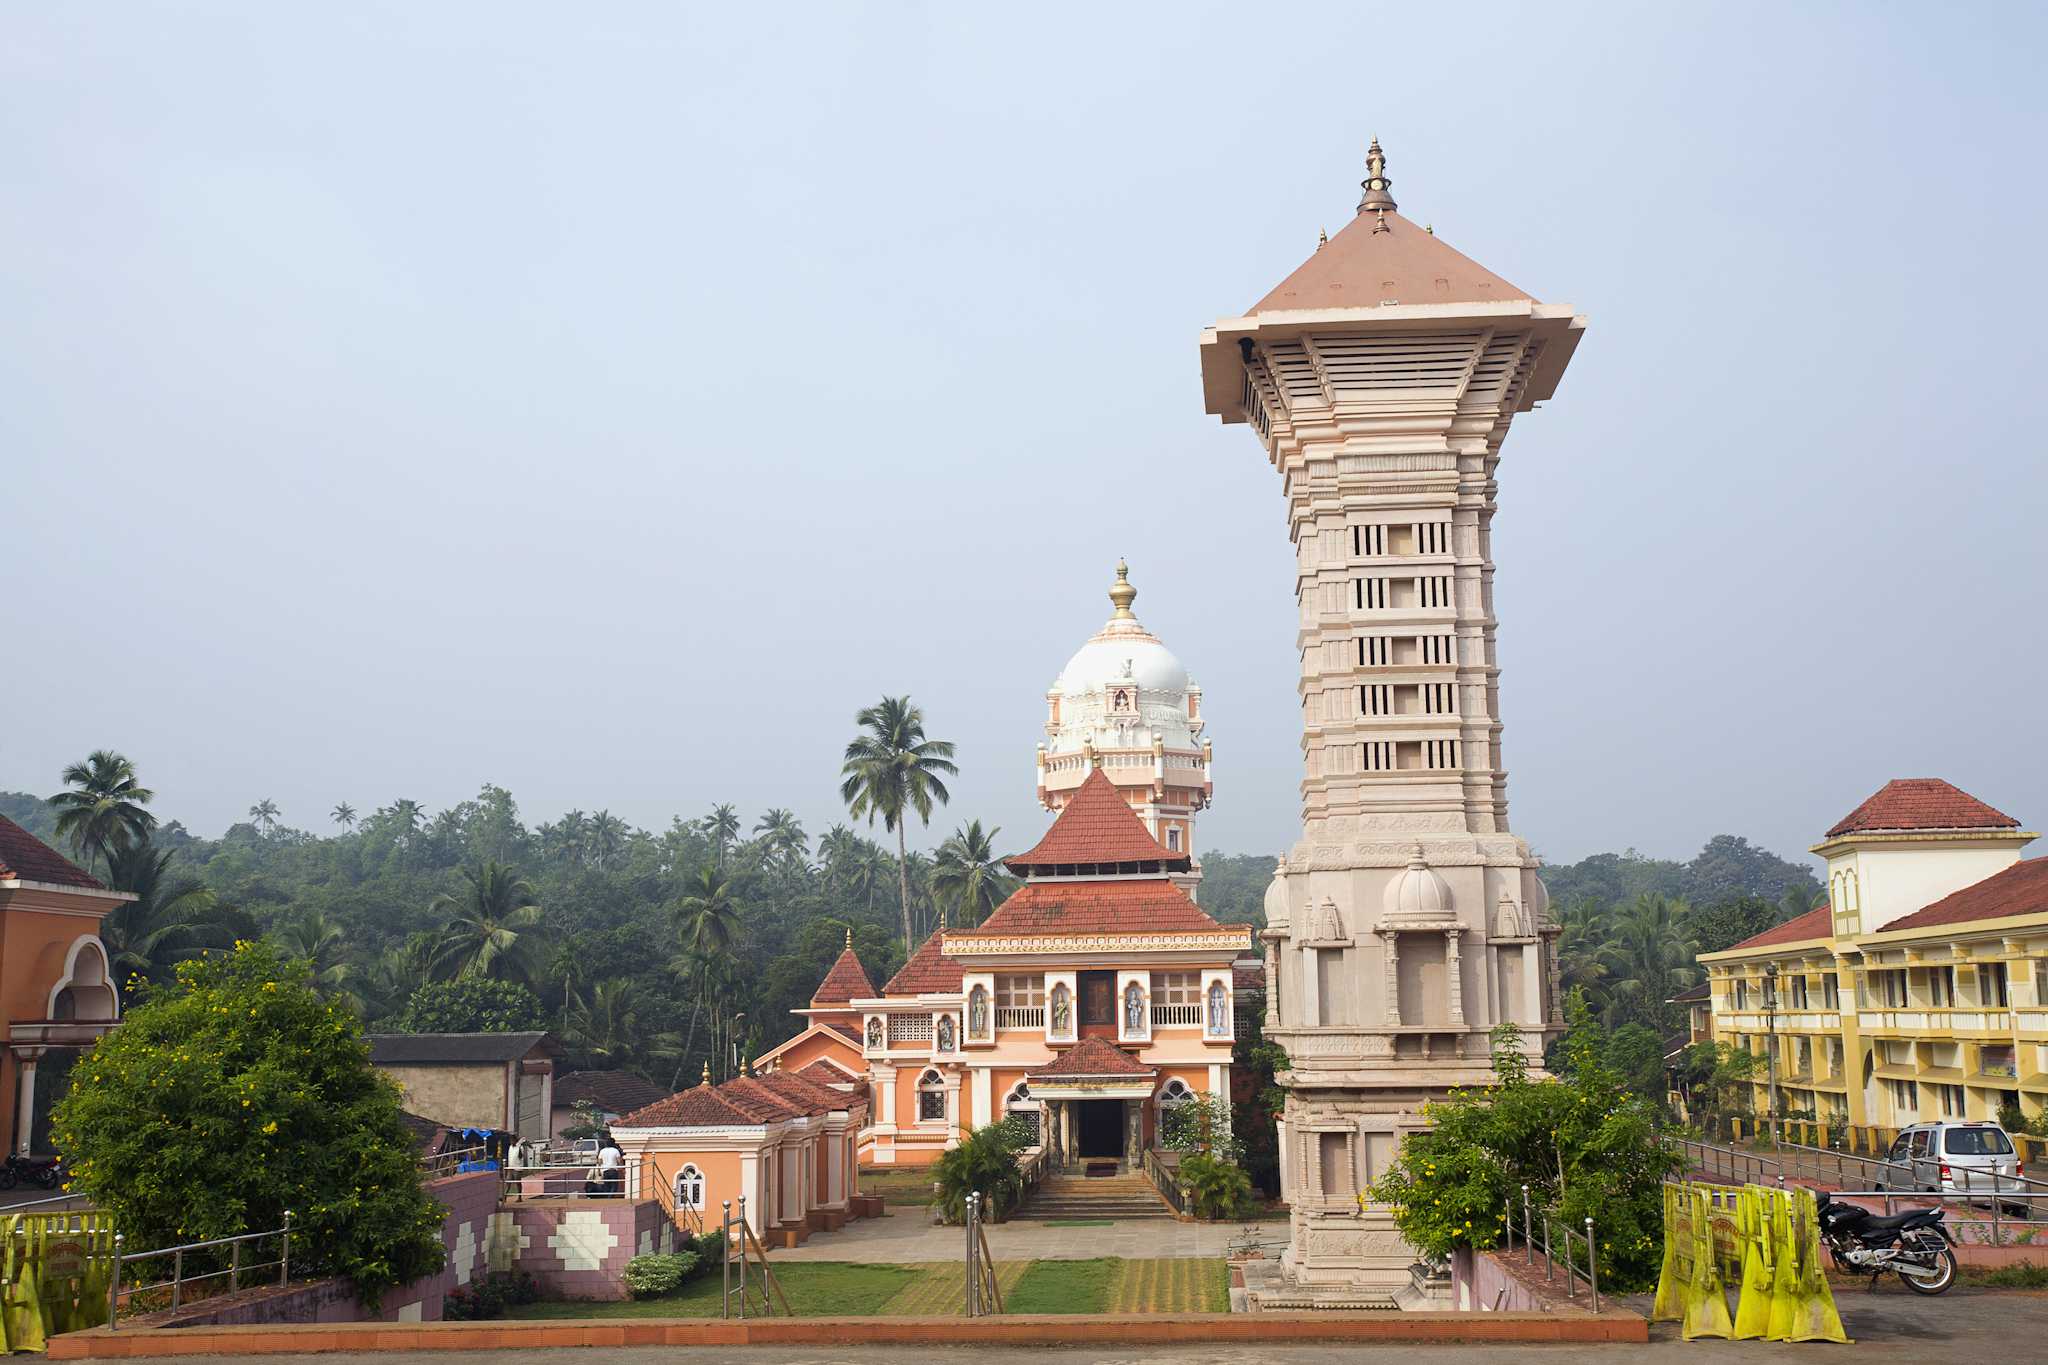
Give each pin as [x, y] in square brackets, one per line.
[706, 916]
[607, 833]
[172, 918]
[573, 830]
[782, 836]
[406, 816]
[1583, 933]
[609, 1030]
[490, 925]
[103, 810]
[264, 813]
[892, 771]
[967, 877]
[345, 816]
[723, 825]
[321, 941]
[870, 870]
[1648, 954]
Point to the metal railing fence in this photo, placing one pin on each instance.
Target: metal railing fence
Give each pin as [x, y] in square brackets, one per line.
[234, 1271]
[1548, 1233]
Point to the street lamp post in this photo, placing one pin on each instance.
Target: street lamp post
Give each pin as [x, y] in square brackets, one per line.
[1771, 1050]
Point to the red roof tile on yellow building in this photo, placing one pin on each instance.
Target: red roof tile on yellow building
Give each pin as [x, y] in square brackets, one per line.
[1812, 924]
[1920, 803]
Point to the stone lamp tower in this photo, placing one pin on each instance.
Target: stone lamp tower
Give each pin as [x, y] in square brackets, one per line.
[1381, 378]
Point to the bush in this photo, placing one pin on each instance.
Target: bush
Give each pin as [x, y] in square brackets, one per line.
[488, 1297]
[235, 1093]
[472, 1005]
[985, 1162]
[649, 1277]
[1220, 1189]
[1201, 1124]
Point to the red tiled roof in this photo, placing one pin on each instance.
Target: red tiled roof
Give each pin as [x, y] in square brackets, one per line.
[823, 1072]
[847, 980]
[929, 969]
[26, 858]
[769, 1104]
[1921, 803]
[1149, 906]
[1371, 262]
[1093, 1057]
[1812, 924]
[847, 1034]
[812, 1097]
[614, 1092]
[1096, 826]
[2021, 889]
[701, 1107]
[1248, 976]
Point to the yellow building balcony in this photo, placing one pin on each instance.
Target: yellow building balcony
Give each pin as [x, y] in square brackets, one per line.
[1964, 1022]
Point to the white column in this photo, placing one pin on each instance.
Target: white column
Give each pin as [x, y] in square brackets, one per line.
[982, 1111]
[1532, 985]
[1392, 940]
[1272, 984]
[751, 1186]
[24, 1104]
[1311, 990]
[1455, 972]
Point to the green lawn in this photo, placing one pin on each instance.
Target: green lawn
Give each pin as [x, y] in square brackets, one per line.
[935, 1289]
[816, 1289]
[899, 1186]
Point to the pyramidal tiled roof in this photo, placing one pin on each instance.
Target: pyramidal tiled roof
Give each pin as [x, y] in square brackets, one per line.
[847, 980]
[26, 858]
[1151, 905]
[1096, 826]
[1376, 261]
[1907, 803]
[1092, 1057]
[929, 969]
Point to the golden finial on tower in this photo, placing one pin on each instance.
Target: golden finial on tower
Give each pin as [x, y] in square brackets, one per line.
[1376, 183]
[707, 1071]
[849, 938]
[1122, 594]
[1322, 238]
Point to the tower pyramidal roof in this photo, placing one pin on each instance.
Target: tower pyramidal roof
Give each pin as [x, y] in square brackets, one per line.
[1380, 258]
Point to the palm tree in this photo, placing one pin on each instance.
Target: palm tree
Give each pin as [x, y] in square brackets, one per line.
[489, 928]
[869, 870]
[1648, 954]
[345, 816]
[708, 919]
[103, 812]
[967, 877]
[406, 815]
[609, 1030]
[321, 941]
[264, 813]
[607, 831]
[723, 825]
[170, 919]
[837, 849]
[1583, 933]
[574, 831]
[782, 836]
[891, 771]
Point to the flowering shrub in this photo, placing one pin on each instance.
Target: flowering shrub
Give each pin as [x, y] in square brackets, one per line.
[1199, 1124]
[237, 1092]
[1584, 1144]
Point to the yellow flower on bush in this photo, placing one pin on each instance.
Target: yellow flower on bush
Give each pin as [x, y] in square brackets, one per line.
[270, 1127]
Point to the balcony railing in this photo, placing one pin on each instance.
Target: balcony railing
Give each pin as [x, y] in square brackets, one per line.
[1020, 1016]
[1176, 1015]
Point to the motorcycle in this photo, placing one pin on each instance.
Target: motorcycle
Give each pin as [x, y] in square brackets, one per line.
[27, 1170]
[1916, 1244]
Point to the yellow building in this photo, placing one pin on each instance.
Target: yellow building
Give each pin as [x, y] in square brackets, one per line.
[1920, 991]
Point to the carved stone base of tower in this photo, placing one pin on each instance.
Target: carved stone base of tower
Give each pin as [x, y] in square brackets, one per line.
[1381, 377]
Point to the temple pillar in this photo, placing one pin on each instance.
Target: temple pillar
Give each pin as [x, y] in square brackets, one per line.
[1548, 947]
[1454, 972]
[1393, 976]
[1272, 983]
[1532, 985]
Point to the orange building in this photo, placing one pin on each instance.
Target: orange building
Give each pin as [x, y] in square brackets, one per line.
[56, 984]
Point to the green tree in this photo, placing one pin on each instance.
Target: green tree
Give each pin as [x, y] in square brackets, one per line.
[984, 1163]
[723, 825]
[1650, 957]
[490, 925]
[103, 809]
[323, 944]
[345, 816]
[237, 1093]
[892, 771]
[265, 813]
[967, 876]
[782, 837]
[1583, 1144]
[707, 915]
[472, 1005]
[172, 918]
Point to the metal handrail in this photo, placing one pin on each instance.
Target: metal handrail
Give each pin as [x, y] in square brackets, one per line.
[1553, 1223]
[179, 1279]
[85, 1201]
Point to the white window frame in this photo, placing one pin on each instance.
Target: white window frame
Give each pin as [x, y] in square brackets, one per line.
[687, 1179]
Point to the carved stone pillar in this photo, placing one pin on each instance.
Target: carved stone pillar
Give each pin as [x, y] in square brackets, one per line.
[1548, 947]
[1393, 982]
[1056, 1131]
[1454, 971]
[1272, 983]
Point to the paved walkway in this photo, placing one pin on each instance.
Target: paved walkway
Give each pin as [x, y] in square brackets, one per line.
[908, 1235]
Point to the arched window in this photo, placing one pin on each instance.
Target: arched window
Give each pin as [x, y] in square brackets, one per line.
[1028, 1112]
[1175, 1092]
[931, 1097]
[690, 1188]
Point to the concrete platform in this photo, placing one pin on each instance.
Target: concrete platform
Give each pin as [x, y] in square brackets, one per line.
[907, 1235]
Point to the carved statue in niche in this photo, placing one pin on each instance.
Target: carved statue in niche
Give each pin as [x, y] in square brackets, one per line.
[977, 1013]
[1219, 1011]
[1329, 922]
[945, 1033]
[1509, 921]
[1062, 1012]
[874, 1032]
[1134, 1009]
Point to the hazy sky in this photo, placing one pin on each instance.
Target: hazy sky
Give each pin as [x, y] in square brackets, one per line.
[607, 401]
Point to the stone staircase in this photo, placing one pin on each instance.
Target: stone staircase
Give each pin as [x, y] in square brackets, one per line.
[1078, 1196]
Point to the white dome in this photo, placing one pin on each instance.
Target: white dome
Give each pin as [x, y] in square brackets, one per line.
[1123, 651]
[1418, 893]
[1276, 898]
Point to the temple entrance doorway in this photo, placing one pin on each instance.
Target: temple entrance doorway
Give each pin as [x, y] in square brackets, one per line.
[1099, 1130]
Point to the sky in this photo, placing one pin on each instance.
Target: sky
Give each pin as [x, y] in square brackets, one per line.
[607, 402]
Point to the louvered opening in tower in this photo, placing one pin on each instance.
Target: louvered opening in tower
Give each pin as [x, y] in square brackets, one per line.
[1295, 373]
[1420, 362]
[1496, 367]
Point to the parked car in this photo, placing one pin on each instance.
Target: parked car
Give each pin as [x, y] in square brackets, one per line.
[1953, 1157]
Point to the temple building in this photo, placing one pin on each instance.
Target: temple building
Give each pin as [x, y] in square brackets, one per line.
[1918, 992]
[1125, 706]
[1380, 378]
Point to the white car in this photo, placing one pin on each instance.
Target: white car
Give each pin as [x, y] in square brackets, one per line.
[1953, 1157]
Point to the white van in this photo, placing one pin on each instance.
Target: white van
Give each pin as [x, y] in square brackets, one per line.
[1952, 1157]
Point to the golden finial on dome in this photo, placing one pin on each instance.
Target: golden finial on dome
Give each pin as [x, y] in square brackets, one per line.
[1122, 594]
[1322, 239]
[707, 1071]
[1376, 184]
[849, 938]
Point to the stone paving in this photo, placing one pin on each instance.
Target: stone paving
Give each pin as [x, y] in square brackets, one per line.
[908, 1235]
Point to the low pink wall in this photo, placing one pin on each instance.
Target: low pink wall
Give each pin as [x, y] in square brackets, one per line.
[578, 1248]
[1487, 1281]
